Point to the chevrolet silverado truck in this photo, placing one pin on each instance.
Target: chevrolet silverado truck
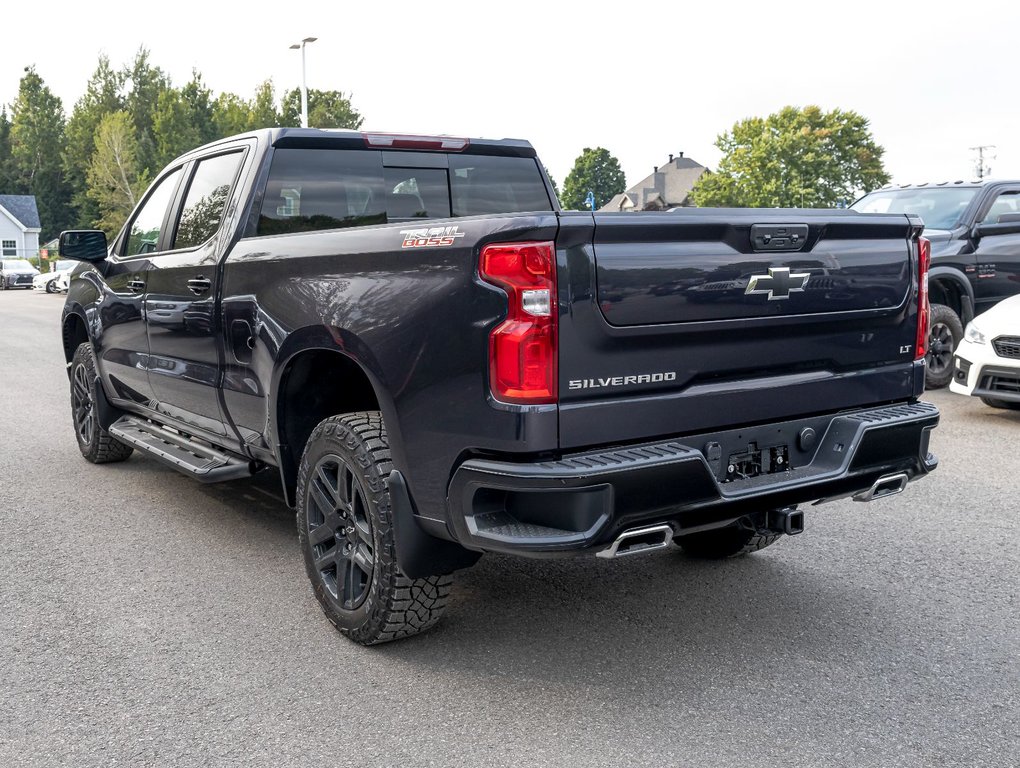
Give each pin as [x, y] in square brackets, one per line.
[974, 229]
[439, 362]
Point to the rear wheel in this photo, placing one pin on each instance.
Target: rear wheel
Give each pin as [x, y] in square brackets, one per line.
[733, 541]
[1004, 404]
[946, 333]
[95, 443]
[345, 528]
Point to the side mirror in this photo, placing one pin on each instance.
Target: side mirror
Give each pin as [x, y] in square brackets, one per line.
[1006, 225]
[83, 245]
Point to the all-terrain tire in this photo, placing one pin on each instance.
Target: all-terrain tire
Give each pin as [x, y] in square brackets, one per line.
[733, 541]
[95, 443]
[943, 339]
[345, 527]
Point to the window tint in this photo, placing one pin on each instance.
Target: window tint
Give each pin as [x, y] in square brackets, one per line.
[143, 237]
[312, 189]
[206, 199]
[481, 184]
[1006, 202]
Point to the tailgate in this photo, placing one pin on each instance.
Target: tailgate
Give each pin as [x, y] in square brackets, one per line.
[709, 318]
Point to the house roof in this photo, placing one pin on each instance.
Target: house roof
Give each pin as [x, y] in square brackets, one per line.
[22, 208]
[671, 183]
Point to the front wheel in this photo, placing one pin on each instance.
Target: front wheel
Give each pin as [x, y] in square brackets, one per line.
[95, 443]
[51, 286]
[345, 527]
[721, 543]
[946, 333]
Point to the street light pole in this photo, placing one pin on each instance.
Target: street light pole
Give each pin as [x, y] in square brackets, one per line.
[304, 85]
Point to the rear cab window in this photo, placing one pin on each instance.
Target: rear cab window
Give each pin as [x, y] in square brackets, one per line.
[315, 189]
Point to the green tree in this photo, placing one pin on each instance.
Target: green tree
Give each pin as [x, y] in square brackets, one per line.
[230, 114]
[37, 144]
[8, 174]
[182, 120]
[326, 109]
[794, 158]
[146, 83]
[114, 180]
[263, 113]
[556, 187]
[102, 96]
[597, 171]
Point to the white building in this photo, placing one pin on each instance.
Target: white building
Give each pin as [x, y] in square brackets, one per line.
[19, 226]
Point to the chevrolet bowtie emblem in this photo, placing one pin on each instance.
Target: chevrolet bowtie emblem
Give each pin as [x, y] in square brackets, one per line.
[779, 283]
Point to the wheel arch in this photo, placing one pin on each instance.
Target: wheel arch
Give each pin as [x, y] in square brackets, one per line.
[320, 373]
[950, 287]
[73, 332]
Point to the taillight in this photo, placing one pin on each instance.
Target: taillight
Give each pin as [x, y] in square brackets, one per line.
[522, 349]
[923, 306]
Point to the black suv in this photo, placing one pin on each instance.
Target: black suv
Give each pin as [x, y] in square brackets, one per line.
[974, 229]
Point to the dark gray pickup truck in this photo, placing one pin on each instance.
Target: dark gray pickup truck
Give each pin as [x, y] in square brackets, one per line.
[440, 363]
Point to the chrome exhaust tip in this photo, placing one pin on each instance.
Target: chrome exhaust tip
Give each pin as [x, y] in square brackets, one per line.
[637, 541]
[887, 485]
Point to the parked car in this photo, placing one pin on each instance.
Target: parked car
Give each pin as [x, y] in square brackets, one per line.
[439, 362]
[987, 362]
[16, 273]
[974, 229]
[56, 280]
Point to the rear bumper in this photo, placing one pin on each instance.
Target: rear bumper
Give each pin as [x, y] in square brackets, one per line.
[584, 500]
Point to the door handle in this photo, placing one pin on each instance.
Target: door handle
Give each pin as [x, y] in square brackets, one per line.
[136, 285]
[199, 284]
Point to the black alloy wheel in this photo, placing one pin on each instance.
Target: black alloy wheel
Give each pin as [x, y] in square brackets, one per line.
[945, 334]
[940, 349]
[340, 532]
[82, 406]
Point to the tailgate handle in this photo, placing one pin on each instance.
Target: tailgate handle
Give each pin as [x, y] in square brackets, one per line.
[779, 237]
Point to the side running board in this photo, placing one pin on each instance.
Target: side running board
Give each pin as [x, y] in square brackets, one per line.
[198, 460]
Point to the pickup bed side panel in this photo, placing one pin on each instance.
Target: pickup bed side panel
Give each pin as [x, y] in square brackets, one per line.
[416, 320]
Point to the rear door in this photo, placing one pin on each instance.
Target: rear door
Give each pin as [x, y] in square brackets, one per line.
[702, 319]
[998, 256]
[181, 298]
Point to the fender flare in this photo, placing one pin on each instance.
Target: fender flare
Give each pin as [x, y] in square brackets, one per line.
[959, 279]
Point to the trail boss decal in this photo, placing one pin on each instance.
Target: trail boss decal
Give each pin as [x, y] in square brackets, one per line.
[430, 237]
[622, 381]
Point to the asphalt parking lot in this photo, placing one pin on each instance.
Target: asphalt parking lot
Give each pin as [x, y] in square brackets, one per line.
[146, 619]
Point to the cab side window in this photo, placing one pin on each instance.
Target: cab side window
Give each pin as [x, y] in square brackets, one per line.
[1005, 202]
[206, 199]
[143, 236]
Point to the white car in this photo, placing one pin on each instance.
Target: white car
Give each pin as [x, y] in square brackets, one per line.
[55, 281]
[987, 362]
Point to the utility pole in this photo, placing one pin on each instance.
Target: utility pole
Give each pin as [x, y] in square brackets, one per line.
[982, 169]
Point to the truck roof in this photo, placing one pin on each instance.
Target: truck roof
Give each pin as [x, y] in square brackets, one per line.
[343, 138]
[957, 183]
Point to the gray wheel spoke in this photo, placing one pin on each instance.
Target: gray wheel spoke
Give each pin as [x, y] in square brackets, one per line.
[323, 533]
[364, 531]
[362, 558]
[326, 561]
[321, 499]
[327, 483]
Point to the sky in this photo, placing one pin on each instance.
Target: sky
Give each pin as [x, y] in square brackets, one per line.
[643, 80]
